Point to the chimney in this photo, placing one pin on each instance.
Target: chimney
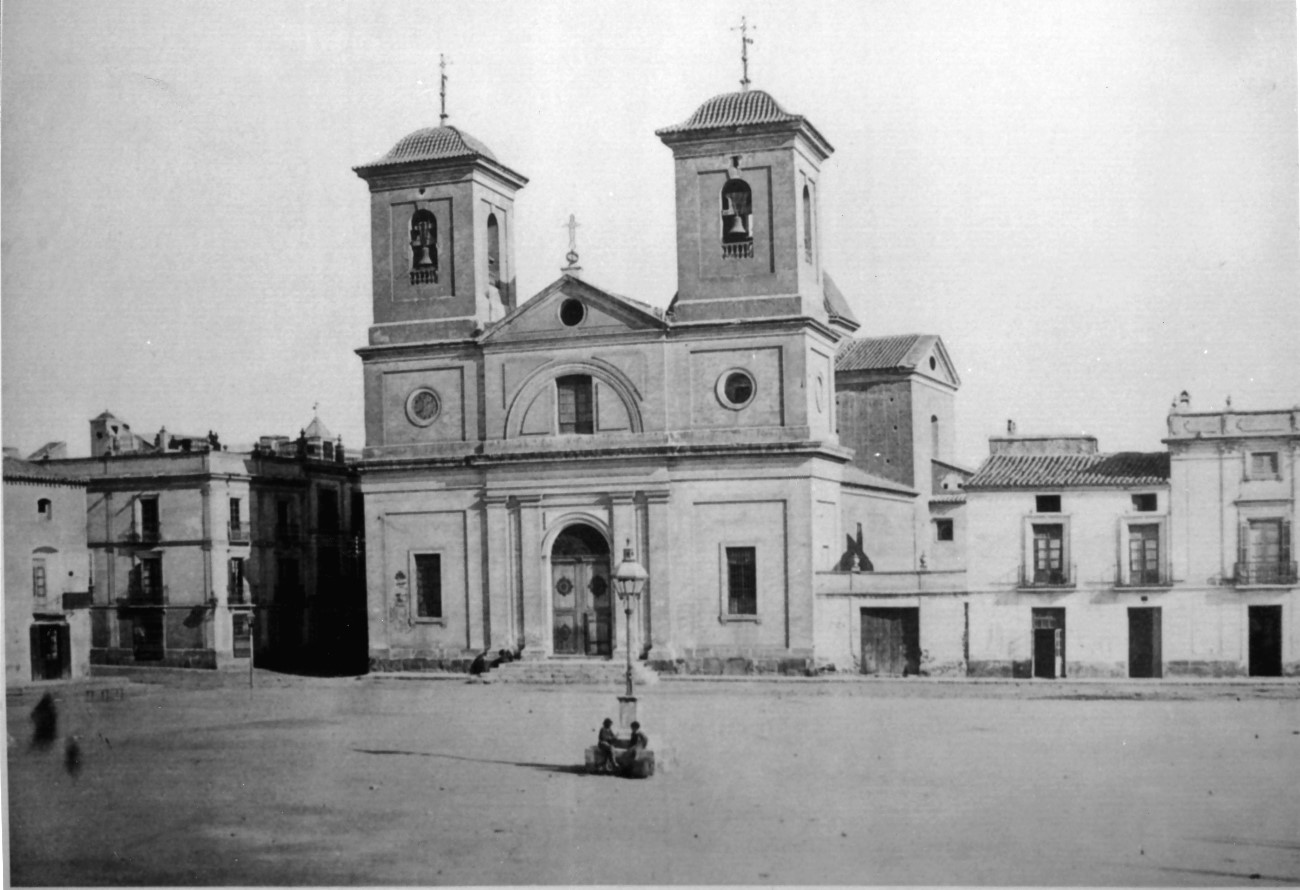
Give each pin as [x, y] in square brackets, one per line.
[1011, 427]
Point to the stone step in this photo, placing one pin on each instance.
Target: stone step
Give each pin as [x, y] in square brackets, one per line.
[562, 671]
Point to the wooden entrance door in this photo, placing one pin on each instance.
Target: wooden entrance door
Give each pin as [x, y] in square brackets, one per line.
[891, 641]
[580, 597]
[1049, 643]
[1265, 641]
[1144, 658]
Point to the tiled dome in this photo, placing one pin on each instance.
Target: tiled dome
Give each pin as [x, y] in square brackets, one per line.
[734, 110]
[434, 144]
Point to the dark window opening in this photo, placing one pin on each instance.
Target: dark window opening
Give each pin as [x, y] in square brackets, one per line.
[943, 529]
[738, 388]
[807, 226]
[737, 220]
[327, 510]
[1144, 503]
[428, 585]
[493, 249]
[1047, 503]
[424, 248]
[148, 583]
[45, 508]
[1264, 465]
[575, 404]
[572, 313]
[742, 581]
[235, 582]
[150, 526]
[288, 589]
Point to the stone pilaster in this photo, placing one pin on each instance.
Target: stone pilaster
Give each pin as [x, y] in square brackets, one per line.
[533, 587]
[497, 564]
[658, 558]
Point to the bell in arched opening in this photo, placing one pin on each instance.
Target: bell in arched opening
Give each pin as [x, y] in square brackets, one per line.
[737, 220]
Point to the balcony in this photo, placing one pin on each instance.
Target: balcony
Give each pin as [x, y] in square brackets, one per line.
[1265, 573]
[238, 532]
[144, 534]
[146, 594]
[1144, 578]
[1046, 579]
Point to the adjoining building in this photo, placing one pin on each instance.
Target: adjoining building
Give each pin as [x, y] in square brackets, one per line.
[204, 556]
[1177, 563]
[48, 574]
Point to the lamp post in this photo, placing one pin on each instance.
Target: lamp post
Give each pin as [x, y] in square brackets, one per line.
[629, 580]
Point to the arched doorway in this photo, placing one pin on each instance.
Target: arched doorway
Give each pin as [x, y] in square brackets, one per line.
[580, 592]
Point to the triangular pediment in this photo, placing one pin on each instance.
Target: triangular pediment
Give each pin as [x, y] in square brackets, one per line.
[571, 308]
[942, 367]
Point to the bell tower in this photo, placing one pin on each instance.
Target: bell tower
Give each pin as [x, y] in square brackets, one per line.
[442, 236]
[747, 178]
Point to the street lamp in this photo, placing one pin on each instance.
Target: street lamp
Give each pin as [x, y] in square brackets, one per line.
[629, 581]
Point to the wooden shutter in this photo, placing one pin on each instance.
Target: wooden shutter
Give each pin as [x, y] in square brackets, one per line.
[1284, 545]
[1243, 551]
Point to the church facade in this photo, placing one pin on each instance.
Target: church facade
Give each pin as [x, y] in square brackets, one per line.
[514, 449]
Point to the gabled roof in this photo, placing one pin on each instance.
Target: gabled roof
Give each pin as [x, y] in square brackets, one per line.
[901, 352]
[1013, 471]
[612, 304]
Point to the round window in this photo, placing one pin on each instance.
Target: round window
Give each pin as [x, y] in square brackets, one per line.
[572, 312]
[736, 389]
[423, 406]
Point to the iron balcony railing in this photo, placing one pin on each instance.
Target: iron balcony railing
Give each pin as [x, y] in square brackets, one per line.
[1144, 578]
[1035, 579]
[1271, 572]
[144, 534]
[238, 532]
[146, 594]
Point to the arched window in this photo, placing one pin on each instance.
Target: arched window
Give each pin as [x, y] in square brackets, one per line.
[737, 220]
[424, 248]
[493, 249]
[45, 509]
[807, 226]
[934, 435]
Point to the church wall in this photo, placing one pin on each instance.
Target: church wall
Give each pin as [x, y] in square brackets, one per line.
[887, 526]
[423, 518]
[876, 421]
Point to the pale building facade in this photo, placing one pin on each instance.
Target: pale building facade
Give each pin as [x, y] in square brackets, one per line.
[47, 574]
[204, 556]
[513, 453]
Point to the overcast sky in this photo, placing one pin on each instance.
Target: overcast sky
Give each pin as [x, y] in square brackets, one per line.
[1094, 203]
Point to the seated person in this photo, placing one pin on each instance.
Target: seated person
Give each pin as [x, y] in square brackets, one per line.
[607, 742]
[636, 747]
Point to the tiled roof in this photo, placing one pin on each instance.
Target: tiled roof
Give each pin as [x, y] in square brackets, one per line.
[433, 144]
[881, 353]
[855, 476]
[948, 499]
[836, 305]
[1071, 470]
[734, 110]
[19, 470]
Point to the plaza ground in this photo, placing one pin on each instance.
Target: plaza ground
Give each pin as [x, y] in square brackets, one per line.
[385, 780]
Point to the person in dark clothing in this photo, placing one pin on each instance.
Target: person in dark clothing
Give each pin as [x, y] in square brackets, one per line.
[478, 665]
[45, 722]
[636, 747]
[607, 741]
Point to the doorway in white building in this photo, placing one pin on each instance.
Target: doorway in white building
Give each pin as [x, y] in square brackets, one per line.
[1049, 643]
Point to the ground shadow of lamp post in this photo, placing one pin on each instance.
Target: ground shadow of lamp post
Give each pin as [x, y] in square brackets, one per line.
[629, 580]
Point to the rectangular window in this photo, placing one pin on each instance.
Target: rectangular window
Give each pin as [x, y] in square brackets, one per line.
[151, 581]
[1049, 554]
[38, 578]
[1264, 465]
[943, 529]
[574, 395]
[1144, 503]
[742, 581]
[242, 637]
[234, 512]
[1144, 554]
[287, 590]
[235, 581]
[428, 585]
[149, 522]
[1047, 503]
[285, 528]
[327, 510]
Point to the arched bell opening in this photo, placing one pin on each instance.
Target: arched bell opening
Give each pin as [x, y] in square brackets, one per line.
[581, 593]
